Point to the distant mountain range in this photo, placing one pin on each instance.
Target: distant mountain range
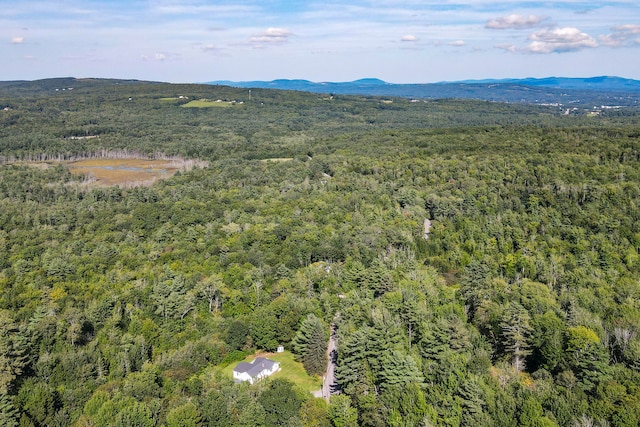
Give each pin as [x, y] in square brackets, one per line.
[585, 93]
[582, 92]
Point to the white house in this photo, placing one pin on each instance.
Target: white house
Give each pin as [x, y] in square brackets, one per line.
[256, 370]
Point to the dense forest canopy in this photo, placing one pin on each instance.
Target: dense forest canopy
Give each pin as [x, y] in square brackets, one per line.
[121, 306]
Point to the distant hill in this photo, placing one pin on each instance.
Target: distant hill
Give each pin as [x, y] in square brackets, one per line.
[46, 86]
[602, 83]
[583, 92]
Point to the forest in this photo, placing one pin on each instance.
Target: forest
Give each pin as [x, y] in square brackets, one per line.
[126, 306]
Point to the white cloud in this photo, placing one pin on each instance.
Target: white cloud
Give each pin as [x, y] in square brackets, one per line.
[560, 40]
[409, 38]
[457, 43]
[628, 28]
[159, 56]
[621, 35]
[508, 47]
[17, 40]
[272, 35]
[515, 22]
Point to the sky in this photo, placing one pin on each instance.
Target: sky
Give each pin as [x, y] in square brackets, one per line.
[408, 41]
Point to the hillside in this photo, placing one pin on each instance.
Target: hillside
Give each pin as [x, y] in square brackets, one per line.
[574, 92]
[126, 305]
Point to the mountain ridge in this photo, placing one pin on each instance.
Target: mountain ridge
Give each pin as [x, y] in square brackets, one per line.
[587, 91]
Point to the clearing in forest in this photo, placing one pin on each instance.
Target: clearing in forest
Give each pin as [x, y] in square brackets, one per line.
[205, 103]
[125, 172]
[290, 370]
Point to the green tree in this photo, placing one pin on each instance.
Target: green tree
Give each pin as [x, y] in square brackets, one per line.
[14, 357]
[341, 413]
[586, 356]
[237, 334]
[547, 341]
[39, 400]
[314, 413]
[532, 414]
[399, 370]
[214, 409]
[515, 331]
[281, 403]
[135, 415]
[8, 412]
[185, 415]
[310, 345]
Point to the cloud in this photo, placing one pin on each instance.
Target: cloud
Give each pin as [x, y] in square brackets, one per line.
[621, 35]
[158, 56]
[457, 43]
[508, 47]
[567, 39]
[272, 35]
[17, 40]
[515, 22]
[409, 38]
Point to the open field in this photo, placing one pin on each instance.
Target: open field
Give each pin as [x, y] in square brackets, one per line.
[289, 370]
[124, 172]
[206, 103]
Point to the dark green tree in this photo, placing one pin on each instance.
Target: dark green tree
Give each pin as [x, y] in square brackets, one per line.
[586, 355]
[310, 345]
[281, 403]
[8, 412]
[237, 334]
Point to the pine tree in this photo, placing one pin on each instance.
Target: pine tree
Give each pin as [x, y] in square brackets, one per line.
[310, 345]
[13, 352]
[8, 412]
[399, 369]
[515, 332]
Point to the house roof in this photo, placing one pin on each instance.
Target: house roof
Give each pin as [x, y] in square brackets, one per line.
[255, 367]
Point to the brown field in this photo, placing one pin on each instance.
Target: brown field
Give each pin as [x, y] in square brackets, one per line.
[125, 172]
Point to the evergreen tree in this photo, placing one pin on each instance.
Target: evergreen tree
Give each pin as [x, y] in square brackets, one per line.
[14, 356]
[515, 332]
[8, 412]
[587, 356]
[310, 345]
[399, 370]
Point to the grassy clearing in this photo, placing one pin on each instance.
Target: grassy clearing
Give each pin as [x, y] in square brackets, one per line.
[289, 370]
[123, 172]
[206, 103]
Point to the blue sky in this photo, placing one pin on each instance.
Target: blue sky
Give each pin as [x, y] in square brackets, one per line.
[407, 41]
